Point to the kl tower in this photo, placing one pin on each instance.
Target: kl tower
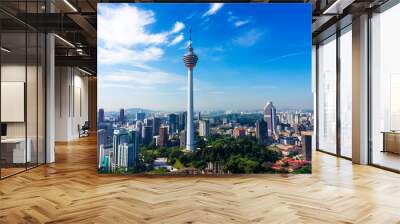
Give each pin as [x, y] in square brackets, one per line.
[190, 60]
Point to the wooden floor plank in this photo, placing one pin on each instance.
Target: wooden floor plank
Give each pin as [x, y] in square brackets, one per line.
[70, 191]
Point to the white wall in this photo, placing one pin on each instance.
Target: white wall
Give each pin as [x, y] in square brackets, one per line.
[71, 102]
[33, 126]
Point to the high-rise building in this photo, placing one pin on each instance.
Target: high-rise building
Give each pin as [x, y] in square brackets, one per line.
[148, 121]
[101, 115]
[156, 125]
[190, 60]
[306, 146]
[139, 127]
[119, 138]
[133, 149]
[107, 126]
[271, 118]
[147, 135]
[140, 116]
[100, 154]
[204, 128]
[182, 138]
[122, 156]
[122, 116]
[261, 131]
[163, 137]
[182, 121]
[172, 123]
[101, 141]
[101, 137]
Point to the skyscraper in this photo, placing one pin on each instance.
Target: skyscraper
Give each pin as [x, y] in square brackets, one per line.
[156, 125]
[139, 127]
[119, 138]
[182, 138]
[101, 137]
[122, 116]
[182, 121]
[163, 137]
[173, 123]
[101, 141]
[148, 121]
[271, 118]
[101, 115]
[306, 146]
[204, 128]
[122, 156]
[107, 126]
[190, 60]
[147, 135]
[133, 149]
[261, 131]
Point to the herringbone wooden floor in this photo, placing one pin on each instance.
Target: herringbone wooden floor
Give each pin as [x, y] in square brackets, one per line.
[70, 191]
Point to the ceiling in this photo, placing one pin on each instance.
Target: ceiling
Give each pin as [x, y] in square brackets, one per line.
[75, 23]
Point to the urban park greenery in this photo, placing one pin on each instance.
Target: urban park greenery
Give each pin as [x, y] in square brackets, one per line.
[235, 155]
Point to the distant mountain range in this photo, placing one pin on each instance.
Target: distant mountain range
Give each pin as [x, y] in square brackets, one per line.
[133, 111]
[136, 110]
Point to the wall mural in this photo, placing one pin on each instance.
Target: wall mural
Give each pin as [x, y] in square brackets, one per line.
[204, 88]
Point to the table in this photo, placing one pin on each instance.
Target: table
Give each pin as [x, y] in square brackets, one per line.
[391, 141]
[13, 150]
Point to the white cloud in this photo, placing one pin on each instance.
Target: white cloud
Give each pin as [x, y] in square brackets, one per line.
[236, 21]
[177, 27]
[249, 38]
[176, 40]
[241, 23]
[285, 56]
[128, 56]
[124, 35]
[126, 26]
[214, 8]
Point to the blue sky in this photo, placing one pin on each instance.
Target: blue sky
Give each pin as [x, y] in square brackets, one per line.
[248, 54]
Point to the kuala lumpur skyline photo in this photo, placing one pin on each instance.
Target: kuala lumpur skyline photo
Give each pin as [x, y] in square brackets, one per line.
[247, 56]
[208, 89]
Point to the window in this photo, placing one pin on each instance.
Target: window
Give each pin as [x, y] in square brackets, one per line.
[22, 88]
[327, 95]
[346, 92]
[385, 89]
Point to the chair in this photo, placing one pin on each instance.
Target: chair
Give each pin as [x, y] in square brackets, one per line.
[84, 130]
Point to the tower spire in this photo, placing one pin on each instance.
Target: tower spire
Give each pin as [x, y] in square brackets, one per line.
[190, 39]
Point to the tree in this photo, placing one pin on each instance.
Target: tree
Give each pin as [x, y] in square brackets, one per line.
[201, 143]
[237, 164]
[178, 164]
[174, 154]
[307, 169]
